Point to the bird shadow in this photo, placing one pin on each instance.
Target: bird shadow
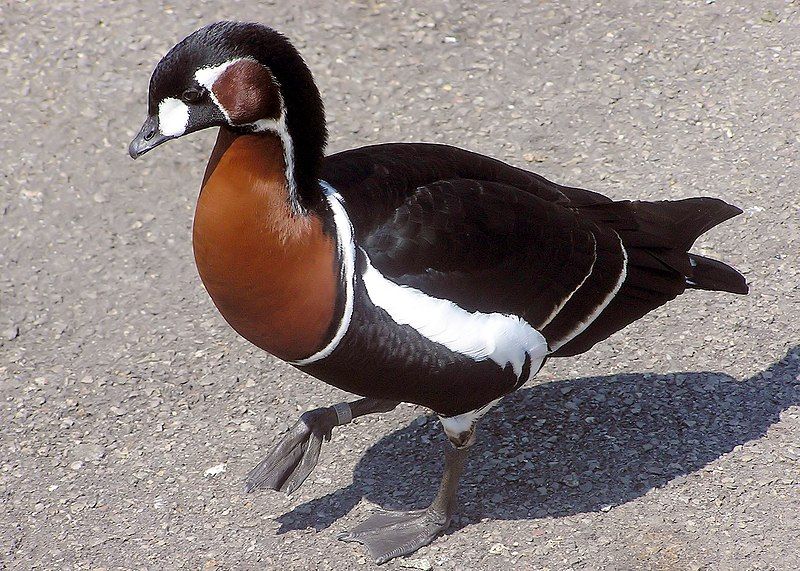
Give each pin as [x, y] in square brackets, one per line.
[571, 446]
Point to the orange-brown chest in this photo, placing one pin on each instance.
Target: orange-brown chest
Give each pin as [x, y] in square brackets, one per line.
[271, 272]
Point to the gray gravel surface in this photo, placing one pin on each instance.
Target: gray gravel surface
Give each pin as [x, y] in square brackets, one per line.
[131, 412]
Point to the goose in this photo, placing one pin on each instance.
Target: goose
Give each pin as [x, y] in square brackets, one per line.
[401, 272]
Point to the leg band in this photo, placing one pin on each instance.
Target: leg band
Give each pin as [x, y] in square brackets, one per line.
[344, 413]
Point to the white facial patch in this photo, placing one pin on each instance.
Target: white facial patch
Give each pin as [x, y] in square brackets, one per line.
[173, 117]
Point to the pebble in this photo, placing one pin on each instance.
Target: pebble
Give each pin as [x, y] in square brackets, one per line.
[89, 452]
[422, 564]
[11, 332]
[215, 470]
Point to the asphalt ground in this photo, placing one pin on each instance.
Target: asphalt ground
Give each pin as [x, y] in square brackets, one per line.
[131, 412]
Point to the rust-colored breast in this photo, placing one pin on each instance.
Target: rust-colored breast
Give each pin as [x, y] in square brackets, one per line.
[270, 272]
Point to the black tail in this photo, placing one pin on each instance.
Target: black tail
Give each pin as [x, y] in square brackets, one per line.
[713, 275]
[657, 237]
[665, 230]
[676, 225]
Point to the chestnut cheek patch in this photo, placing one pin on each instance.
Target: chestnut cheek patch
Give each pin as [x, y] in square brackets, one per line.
[247, 92]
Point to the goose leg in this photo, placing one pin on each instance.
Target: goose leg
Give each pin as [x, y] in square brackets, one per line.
[295, 456]
[388, 534]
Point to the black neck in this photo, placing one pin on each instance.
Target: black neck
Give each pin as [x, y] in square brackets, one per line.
[305, 113]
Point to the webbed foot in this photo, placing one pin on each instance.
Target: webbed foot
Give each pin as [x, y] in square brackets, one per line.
[390, 534]
[295, 456]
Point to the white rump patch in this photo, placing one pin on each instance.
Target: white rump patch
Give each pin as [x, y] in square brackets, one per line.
[505, 339]
[347, 252]
[173, 117]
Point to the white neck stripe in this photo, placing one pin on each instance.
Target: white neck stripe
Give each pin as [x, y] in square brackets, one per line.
[278, 126]
[207, 76]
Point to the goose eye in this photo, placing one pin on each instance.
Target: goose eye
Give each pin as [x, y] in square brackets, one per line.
[192, 95]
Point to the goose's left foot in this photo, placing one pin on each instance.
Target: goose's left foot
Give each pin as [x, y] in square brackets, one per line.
[388, 534]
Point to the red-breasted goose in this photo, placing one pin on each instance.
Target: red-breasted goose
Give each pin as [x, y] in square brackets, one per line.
[412, 272]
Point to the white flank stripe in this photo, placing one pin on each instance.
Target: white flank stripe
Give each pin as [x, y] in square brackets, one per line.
[505, 339]
[582, 325]
[347, 252]
[173, 117]
[560, 306]
[502, 338]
